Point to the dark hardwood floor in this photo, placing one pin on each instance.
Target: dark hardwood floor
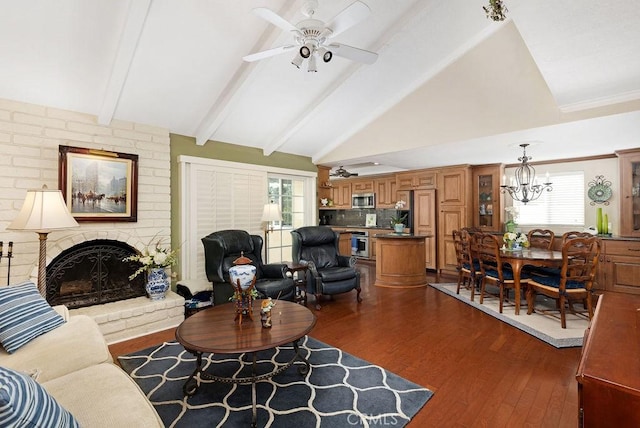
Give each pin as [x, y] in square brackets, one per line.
[483, 373]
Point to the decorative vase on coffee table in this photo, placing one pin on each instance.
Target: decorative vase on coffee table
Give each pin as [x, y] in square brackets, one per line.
[243, 278]
[157, 283]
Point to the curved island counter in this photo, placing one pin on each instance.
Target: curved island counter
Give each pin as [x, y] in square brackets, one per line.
[400, 260]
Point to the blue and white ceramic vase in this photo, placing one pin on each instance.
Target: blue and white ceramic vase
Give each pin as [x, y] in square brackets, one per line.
[398, 227]
[244, 273]
[157, 283]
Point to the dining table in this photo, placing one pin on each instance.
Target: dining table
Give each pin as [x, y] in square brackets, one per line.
[531, 256]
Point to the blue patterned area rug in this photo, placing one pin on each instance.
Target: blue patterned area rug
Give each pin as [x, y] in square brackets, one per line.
[545, 327]
[339, 390]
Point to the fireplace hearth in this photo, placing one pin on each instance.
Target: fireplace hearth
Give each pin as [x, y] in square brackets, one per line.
[92, 273]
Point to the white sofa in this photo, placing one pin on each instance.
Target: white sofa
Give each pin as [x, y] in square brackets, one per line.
[73, 363]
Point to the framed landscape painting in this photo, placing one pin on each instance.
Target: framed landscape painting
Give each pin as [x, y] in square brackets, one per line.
[98, 185]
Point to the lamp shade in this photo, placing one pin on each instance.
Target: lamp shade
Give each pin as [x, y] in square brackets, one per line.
[271, 212]
[43, 210]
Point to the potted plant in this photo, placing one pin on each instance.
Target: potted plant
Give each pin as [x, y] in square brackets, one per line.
[397, 222]
[154, 261]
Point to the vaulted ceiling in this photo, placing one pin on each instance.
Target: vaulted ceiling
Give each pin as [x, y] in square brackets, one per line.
[449, 86]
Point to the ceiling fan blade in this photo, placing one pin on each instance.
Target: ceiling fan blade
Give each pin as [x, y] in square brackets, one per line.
[350, 16]
[354, 54]
[274, 18]
[268, 53]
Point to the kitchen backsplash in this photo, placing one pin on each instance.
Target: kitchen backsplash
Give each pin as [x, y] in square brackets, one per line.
[354, 217]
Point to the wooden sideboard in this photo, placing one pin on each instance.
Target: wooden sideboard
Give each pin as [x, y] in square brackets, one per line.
[609, 371]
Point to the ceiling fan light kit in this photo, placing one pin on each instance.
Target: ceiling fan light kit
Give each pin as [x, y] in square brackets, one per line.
[341, 172]
[313, 36]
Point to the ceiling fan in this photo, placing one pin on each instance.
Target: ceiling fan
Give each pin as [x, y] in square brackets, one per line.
[341, 172]
[312, 37]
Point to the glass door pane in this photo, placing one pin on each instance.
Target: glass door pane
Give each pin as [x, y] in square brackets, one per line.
[485, 202]
[635, 195]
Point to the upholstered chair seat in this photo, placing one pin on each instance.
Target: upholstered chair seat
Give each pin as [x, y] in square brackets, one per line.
[222, 248]
[329, 272]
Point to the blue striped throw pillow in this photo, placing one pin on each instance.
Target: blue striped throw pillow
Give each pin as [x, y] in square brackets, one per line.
[24, 403]
[24, 315]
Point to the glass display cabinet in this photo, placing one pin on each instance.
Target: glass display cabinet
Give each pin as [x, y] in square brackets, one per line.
[487, 199]
[629, 192]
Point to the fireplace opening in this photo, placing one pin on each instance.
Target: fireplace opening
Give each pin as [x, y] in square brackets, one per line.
[93, 273]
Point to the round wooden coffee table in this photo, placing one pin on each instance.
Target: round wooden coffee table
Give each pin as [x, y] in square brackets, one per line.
[215, 331]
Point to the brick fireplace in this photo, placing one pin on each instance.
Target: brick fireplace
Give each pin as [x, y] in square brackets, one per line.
[87, 274]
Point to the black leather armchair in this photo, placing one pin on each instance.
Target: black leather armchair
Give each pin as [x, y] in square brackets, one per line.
[223, 247]
[329, 272]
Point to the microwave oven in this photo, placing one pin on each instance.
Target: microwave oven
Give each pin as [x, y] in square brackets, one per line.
[363, 200]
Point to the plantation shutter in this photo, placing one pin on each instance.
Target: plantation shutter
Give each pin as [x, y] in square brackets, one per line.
[217, 198]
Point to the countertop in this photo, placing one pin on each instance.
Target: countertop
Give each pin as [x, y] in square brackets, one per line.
[335, 226]
[401, 236]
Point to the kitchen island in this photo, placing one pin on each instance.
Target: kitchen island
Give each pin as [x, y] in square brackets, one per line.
[400, 260]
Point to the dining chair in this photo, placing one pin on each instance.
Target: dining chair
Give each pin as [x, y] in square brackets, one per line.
[541, 238]
[457, 245]
[575, 282]
[469, 272]
[575, 234]
[492, 268]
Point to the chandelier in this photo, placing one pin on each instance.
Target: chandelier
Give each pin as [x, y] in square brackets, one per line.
[496, 10]
[524, 185]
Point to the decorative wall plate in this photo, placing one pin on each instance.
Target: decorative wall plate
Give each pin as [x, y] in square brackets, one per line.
[599, 191]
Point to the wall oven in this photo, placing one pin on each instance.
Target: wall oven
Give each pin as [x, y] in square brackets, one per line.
[360, 244]
[363, 200]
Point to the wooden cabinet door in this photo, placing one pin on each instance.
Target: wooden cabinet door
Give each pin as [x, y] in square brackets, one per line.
[424, 222]
[425, 180]
[372, 247]
[344, 244]
[487, 199]
[385, 190]
[414, 180]
[452, 186]
[362, 186]
[450, 218]
[404, 181]
[629, 162]
[621, 268]
[341, 194]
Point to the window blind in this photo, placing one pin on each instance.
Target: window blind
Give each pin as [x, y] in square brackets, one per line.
[564, 205]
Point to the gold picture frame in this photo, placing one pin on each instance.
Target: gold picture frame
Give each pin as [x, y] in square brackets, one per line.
[99, 185]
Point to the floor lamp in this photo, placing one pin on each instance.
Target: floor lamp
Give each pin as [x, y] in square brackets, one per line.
[43, 210]
[270, 213]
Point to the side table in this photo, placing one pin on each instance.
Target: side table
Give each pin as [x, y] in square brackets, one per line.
[299, 275]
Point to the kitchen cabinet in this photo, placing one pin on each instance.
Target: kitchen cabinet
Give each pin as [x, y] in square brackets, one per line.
[362, 186]
[417, 179]
[487, 198]
[341, 194]
[424, 223]
[344, 243]
[385, 190]
[372, 247]
[454, 184]
[450, 218]
[629, 164]
[619, 266]
[608, 373]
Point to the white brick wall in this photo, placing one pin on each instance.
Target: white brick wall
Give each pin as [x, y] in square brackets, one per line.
[29, 140]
